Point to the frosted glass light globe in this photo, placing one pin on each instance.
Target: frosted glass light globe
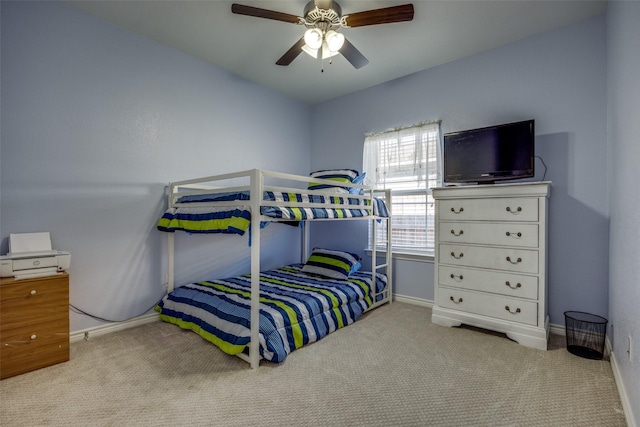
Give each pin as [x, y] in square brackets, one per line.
[335, 40]
[313, 38]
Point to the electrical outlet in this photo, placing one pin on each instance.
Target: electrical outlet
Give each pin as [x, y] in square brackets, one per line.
[629, 347]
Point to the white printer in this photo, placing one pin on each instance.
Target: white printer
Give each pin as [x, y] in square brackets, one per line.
[30, 255]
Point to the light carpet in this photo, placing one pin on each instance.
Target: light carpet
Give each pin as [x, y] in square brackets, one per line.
[391, 368]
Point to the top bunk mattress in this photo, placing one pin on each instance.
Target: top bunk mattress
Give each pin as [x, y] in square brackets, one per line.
[199, 214]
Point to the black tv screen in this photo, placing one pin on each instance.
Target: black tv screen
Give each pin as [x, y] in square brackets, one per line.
[494, 153]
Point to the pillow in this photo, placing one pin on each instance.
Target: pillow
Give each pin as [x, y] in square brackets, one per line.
[345, 176]
[358, 180]
[332, 264]
[356, 267]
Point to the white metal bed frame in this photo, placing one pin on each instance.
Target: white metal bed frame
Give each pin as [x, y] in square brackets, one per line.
[257, 186]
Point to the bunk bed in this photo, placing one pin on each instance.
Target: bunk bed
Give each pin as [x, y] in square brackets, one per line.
[295, 304]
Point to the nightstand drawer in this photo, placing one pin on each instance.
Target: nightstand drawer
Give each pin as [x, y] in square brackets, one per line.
[510, 284]
[502, 233]
[517, 260]
[490, 209]
[505, 308]
[33, 290]
[28, 348]
[34, 302]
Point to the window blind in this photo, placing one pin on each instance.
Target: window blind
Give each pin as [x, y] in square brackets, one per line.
[407, 161]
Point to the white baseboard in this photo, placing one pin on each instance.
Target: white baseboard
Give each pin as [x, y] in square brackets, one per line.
[113, 327]
[624, 398]
[557, 330]
[413, 300]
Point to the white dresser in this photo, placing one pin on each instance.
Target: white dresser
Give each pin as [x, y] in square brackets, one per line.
[490, 262]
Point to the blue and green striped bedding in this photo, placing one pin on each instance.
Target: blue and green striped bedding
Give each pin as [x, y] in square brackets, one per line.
[236, 220]
[295, 308]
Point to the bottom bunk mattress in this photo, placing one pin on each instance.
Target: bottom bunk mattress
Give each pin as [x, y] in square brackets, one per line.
[296, 308]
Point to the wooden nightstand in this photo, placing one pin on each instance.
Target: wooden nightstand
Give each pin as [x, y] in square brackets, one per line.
[34, 323]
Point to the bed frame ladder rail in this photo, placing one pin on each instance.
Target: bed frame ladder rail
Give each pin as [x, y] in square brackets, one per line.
[387, 265]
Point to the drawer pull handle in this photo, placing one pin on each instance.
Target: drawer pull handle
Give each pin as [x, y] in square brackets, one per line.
[514, 212]
[458, 211]
[33, 337]
[518, 285]
[506, 307]
[454, 301]
[33, 292]
[458, 278]
[519, 260]
[518, 234]
[457, 257]
[460, 233]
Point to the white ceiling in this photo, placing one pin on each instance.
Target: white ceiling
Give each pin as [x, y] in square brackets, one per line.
[441, 31]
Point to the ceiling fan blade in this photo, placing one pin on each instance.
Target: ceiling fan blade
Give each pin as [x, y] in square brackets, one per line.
[292, 53]
[386, 15]
[353, 55]
[264, 13]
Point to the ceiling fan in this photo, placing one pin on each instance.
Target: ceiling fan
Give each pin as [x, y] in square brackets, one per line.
[323, 18]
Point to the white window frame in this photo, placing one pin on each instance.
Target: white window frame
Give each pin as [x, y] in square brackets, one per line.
[407, 160]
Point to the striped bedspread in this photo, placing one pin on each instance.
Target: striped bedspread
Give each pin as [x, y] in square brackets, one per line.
[295, 309]
[236, 220]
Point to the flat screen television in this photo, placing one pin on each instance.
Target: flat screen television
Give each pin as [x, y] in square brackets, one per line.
[490, 154]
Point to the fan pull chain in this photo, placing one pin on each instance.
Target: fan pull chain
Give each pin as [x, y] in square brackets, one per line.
[330, 62]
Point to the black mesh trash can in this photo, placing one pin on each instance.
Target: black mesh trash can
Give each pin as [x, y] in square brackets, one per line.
[585, 334]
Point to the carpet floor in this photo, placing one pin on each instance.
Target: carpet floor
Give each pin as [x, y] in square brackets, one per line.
[391, 368]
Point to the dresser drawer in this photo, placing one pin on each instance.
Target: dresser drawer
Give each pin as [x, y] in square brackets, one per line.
[34, 290]
[490, 209]
[34, 323]
[501, 233]
[501, 307]
[510, 284]
[33, 302]
[27, 348]
[517, 260]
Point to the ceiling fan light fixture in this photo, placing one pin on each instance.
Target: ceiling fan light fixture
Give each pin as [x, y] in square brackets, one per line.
[334, 40]
[313, 38]
[326, 52]
[311, 52]
[322, 18]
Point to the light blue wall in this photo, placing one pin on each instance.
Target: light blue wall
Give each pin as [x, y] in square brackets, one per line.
[623, 43]
[557, 78]
[96, 121]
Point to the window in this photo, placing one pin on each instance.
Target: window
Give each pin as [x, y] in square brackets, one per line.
[407, 161]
